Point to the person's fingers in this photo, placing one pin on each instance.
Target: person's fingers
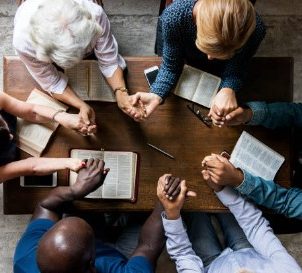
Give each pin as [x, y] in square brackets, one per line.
[89, 162]
[213, 163]
[191, 194]
[174, 193]
[213, 176]
[173, 186]
[234, 114]
[135, 99]
[222, 159]
[205, 174]
[101, 165]
[106, 171]
[183, 189]
[95, 164]
[92, 116]
[85, 117]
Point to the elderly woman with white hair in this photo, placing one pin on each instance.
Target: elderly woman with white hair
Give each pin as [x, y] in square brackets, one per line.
[63, 32]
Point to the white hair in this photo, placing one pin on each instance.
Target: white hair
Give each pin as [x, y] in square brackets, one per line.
[61, 30]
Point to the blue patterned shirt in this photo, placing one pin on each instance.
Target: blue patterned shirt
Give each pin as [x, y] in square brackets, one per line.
[179, 34]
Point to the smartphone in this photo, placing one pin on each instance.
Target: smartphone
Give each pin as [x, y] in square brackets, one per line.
[39, 181]
[151, 74]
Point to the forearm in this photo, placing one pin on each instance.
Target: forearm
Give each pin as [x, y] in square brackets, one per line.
[69, 97]
[271, 195]
[52, 207]
[254, 225]
[151, 239]
[33, 166]
[276, 115]
[179, 246]
[117, 79]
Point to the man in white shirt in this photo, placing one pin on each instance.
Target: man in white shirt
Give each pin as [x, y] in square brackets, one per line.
[64, 32]
[265, 255]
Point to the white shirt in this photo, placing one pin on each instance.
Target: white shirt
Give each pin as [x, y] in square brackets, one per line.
[46, 74]
[267, 255]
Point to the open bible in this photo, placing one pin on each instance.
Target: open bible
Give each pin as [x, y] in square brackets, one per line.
[120, 182]
[255, 157]
[33, 137]
[197, 86]
[88, 83]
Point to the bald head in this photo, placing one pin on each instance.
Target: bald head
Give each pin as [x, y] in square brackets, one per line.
[67, 247]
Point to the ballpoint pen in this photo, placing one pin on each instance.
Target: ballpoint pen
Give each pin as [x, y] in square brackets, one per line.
[161, 151]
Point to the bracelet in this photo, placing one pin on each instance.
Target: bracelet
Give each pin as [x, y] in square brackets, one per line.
[56, 113]
[122, 89]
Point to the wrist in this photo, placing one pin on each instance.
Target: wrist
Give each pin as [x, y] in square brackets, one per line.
[156, 98]
[172, 214]
[119, 90]
[239, 178]
[248, 115]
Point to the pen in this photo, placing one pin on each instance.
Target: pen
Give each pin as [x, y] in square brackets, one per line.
[161, 151]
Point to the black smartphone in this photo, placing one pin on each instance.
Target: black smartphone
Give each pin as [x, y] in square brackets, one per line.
[151, 74]
[39, 181]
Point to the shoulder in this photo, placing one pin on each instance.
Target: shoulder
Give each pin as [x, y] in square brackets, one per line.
[178, 13]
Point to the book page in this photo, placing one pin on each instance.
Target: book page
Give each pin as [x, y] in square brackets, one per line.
[99, 88]
[78, 79]
[207, 89]
[86, 154]
[188, 82]
[119, 182]
[32, 137]
[255, 157]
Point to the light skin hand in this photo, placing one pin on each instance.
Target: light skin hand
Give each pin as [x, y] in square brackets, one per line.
[149, 101]
[238, 116]
[87, 114]
[89, 178]
[75, 122]
[221, 171]
[224, 102]
[172, 207]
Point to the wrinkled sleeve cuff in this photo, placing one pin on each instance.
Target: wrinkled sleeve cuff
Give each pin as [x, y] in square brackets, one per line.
[173, 226]
[259, 110]
[108, 71]
[59, 86]
[247, 186]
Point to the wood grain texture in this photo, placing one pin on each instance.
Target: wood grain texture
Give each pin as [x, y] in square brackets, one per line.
[172, 127]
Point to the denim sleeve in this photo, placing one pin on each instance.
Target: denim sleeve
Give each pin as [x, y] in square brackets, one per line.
[271, 195]
[274, 115]
[236, 68]
[179, 247]
[173, 56]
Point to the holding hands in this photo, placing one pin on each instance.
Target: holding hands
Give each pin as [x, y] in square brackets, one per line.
[171, 192]
[223, 103]
[219, 172]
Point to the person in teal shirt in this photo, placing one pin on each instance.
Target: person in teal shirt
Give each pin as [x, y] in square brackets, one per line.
[263, 192]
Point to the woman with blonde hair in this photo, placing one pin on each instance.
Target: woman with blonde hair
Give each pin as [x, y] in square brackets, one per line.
[63, 32]
[218, 36]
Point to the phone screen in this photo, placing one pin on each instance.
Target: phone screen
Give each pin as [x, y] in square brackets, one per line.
[39, 181]
[151, 76]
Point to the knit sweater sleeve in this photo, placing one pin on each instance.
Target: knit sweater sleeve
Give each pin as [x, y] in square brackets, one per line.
[173, 55]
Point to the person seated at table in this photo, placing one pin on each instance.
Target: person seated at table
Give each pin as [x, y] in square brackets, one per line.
[263, 192]
[9, 109]
[252, 245]
[217, 36]
[63, 32]
[55, 244]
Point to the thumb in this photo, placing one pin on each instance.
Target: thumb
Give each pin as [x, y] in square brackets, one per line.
[85, 118]
[222, 159]
[183, 189]
[233, 114]
[135, 99]
[191, 194]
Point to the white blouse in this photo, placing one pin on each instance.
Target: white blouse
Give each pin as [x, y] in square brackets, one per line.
[46, 74]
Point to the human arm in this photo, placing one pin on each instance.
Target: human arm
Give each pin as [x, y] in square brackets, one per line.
[43, 114]
[178, 244]
[38, 166]
[88, 180]
[257, 230]
[233, 74]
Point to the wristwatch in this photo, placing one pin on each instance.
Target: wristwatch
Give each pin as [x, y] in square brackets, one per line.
[122, 89]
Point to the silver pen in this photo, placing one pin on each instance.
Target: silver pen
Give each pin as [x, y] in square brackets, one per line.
[161, 151]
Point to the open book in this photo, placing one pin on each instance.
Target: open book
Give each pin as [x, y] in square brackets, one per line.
[33, 137]
[120, 182]
[255, 157]
[197, 86]
[88, 83]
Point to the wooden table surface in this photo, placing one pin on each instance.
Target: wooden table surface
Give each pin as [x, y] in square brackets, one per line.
[172, 127]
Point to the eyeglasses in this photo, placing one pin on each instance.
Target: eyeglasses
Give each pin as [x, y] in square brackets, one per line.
[198, 113]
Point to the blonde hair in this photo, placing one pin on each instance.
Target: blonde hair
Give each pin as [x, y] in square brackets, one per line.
[61, 31]
[223, 26]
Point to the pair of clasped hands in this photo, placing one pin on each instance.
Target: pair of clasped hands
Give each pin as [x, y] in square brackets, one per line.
[224, 109]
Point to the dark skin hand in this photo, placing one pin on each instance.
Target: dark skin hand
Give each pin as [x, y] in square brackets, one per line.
[172, 187]
[88, 180]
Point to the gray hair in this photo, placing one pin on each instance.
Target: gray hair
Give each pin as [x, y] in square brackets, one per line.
[61, 31]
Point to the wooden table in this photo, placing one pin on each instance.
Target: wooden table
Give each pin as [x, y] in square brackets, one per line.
[172, 127]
